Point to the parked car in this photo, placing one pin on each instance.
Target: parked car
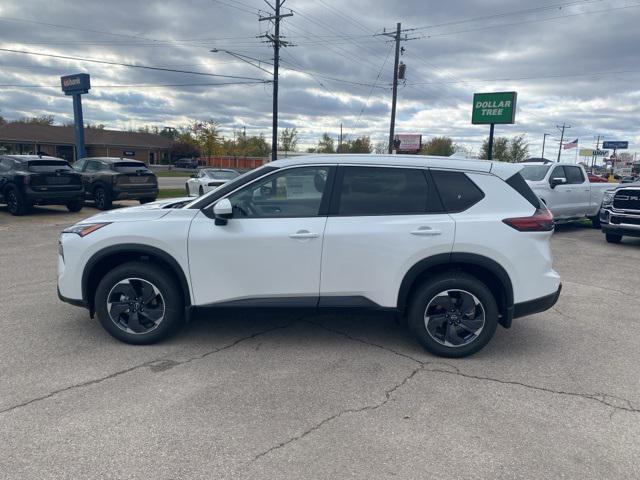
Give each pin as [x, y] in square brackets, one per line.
[565, 190]
[107, 179]
[186, 163]
[27, 180]
[620, 212]
[596, 179]
[208, 179]
[629, 179]
[458, 246]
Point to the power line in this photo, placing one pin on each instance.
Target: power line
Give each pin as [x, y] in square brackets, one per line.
[130, 65]
[139, 85]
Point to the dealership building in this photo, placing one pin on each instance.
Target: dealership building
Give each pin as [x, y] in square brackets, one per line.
[26, 138]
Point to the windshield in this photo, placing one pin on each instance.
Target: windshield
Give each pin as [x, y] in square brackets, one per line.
[129, 167]
[534, 173]
[48, 165]
[221, 174]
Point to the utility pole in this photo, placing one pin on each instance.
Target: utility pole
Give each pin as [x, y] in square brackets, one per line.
[340, 142]
[544, 139]
[397, 37]
[593, 157]
[277, 43]
[562, 128]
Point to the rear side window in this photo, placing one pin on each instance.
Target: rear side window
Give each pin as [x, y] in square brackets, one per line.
[574, 175]
[93, 166]
[457, 191]
[522, 187]
[383, 191]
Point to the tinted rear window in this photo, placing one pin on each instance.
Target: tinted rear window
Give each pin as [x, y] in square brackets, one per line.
[519, 185]
[129, 167]
[383, 191]
[457, 191]
[47, 165]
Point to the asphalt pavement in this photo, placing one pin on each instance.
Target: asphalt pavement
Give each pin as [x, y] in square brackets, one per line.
[285, 396]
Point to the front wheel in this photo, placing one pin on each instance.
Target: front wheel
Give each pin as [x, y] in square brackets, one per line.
[147, 200]
[201, 191]
[453, 315]
[139, 303]
[613, 238]
[595, 221]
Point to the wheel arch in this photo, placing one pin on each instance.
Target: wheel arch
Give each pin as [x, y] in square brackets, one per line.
[107, 259]
[485, 269]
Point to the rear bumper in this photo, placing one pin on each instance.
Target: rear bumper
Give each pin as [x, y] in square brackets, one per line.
[134, 193]
[536, 305]
[53, 196]
[72, 301]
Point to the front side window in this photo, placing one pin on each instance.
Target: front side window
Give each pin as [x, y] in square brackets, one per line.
[295, 192]
[558, 172]
[383, 191]
[93, 166]
[574, 175]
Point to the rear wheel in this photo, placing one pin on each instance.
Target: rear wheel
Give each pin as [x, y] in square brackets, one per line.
[201, 191]
[613, 238]
[16, 203]
[139, 303]
[186, 187]
[75, 205]
[102, 198]
[453, 315]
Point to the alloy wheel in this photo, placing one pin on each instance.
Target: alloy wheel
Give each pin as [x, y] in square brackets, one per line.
[454, 318]
[12, 201]
[136, 306]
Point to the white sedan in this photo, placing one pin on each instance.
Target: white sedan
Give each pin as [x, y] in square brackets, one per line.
[208, 179]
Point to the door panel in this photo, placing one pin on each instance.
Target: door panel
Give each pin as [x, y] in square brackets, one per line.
[580, 194]
[255, 258]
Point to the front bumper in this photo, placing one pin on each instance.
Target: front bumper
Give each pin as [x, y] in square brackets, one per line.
[620, 223]
[536, 305]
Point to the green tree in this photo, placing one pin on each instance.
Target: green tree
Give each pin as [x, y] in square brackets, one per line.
[208, 137]
[515, 149]
[441, 146]
[288, 139]
[326, 145]
[360, 145]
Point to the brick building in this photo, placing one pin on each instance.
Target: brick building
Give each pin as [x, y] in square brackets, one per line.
[17, 138]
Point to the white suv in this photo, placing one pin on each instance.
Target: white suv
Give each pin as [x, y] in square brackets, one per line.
[457, 246]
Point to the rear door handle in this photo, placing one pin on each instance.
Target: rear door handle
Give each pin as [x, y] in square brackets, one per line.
[303, 234]
[426, 232]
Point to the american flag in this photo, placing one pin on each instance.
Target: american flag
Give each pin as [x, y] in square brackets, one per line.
[570, 145]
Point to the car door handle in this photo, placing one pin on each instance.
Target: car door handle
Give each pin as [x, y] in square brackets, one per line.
[303, 234]
[426, 232]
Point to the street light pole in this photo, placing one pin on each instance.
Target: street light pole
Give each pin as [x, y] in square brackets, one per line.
[544, 138]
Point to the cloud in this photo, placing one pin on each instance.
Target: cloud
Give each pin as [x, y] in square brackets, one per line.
[576, 64]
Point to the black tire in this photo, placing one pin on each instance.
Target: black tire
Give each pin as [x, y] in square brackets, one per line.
[16, 203]
[186, 187]
[201, 191]
[424, 298]
[595, 221]
[75, 205]
[170, 298]
[102, 198]
[613, 238]
[147, 200]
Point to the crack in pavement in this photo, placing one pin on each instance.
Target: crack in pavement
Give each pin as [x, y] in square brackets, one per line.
[430, 366]
[157, 365]
[387, 397]
[622, 292]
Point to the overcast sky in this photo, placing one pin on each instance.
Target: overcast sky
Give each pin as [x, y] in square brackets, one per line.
[575, 62]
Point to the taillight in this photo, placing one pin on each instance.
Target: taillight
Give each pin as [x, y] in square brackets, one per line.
[540, 221]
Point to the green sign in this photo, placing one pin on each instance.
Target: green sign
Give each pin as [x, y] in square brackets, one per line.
[499, 107]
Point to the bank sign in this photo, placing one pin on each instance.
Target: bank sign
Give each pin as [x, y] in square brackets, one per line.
[498, 107]
[73, 84]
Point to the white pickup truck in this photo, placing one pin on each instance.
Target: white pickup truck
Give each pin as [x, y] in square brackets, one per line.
[566, 190]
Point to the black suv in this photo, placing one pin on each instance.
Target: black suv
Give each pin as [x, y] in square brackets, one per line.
[107, 179]
[186, 163]
[620, 212]
[27, 180]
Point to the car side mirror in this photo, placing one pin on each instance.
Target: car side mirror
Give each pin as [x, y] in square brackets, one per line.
[557, 181]
[223, 211]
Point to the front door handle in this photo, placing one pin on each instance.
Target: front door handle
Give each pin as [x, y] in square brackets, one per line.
[426, 232]
[303, 234]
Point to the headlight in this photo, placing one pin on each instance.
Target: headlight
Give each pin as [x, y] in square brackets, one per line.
[608, 198]
[84, 229]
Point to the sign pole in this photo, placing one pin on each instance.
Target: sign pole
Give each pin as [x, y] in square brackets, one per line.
[490, 146]
[78, 126]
